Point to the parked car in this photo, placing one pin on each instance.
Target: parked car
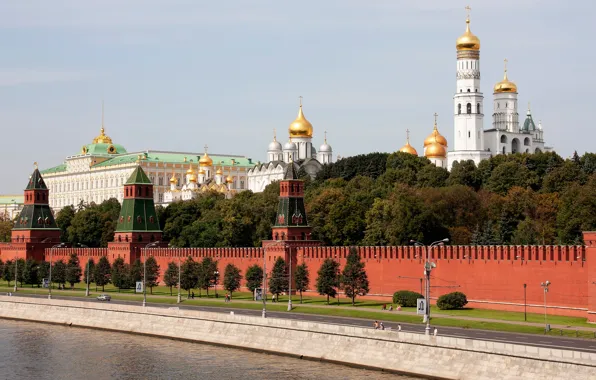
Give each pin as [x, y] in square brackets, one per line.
[104, 297]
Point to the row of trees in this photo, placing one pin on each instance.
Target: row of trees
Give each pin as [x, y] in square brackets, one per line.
[31, 272]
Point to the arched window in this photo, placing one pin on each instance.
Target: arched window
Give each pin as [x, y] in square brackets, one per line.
[527, 141]
[469, 108]
[468, 90]
[503, 139]
[459, 109]
[478, 108]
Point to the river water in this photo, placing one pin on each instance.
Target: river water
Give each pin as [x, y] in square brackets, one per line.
[39, 351]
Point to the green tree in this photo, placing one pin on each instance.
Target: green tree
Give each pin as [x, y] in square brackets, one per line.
[5, 229]
[189, 277]
[254, 278]
[328, 278]
[73, 270]
[2, 269]
[59, 272]
[30, 273]
[102, 273]
[278, 283]
[8, 273]
[120, 277]
[354, 279]
[170, 276]
[232, 278]
[301, 278]
[464, 173]
[206, 274]
[20, 271]
[432, 176]
[136, 272]
[64, 220]
[153, 272]
[89, 272]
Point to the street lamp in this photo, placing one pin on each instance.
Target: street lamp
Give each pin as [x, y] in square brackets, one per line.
[289, 281]
[215, 278]
[179, 274]
[428, 267]
[525, 303]
[88, 274]
[545, 286]
[50, 279]
[150, 245]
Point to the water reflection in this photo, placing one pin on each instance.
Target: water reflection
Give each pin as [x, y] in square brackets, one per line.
[39, 351]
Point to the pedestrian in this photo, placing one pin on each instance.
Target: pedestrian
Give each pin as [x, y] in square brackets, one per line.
[376, 325]
[391, 308]
[384, 307]
[435, 332]
[382, 326]
[192, 295]
[398, 327]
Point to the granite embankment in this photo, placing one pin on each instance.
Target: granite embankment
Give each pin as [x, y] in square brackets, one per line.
[408, 353]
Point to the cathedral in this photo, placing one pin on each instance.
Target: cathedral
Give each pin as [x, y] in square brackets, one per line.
[471, 141]
[298, 150]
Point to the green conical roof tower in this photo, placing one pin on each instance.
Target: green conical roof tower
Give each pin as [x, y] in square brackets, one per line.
[36, 213]
[138, 216]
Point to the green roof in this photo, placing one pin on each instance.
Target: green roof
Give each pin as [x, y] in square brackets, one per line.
[35, 216]
[12, 199]
[529, 125]
[137, 215]
[103, 149]
[138, 176]
[56, 169]
[36, 181]
[174, 158]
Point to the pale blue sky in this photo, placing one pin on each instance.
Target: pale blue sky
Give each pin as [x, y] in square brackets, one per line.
[179, 74]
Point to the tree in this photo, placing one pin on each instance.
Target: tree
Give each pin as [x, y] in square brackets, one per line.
[102, 273]
[20, 271]
[328, 278]
[232, 278]
[30, 273]
[206, 274]
[354, 279]
[89, 272]
[279, 278]
[136, 272]
[73, 270]
[59, 272]
[64, 220]
[2, 269]
[5, 229]
[152, 273]
[189, 276]
[8, 273]
[254, 278]
[120, 277]
[170, 277]
[301, 278]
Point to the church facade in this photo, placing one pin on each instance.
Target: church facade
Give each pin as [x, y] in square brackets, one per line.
[471, 141]
[298, 150]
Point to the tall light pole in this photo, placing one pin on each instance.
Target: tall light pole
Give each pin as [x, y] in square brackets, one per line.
[545, 286]
[428, 267]
[150, 245]
[51, 256]
[179, 279]
[16, 270]
[525, 303]
[88, 274]
[289, 280]
[215, 278]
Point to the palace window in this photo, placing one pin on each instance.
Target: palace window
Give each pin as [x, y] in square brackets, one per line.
[469, 108]
[459, 109]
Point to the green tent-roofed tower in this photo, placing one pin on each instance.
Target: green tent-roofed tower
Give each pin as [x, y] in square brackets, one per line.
[35, 227]
[137, 224]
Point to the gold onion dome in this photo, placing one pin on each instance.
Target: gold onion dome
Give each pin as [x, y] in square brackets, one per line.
[173, 179]
[300, 127]
[205, 160]
[102, 138]
[219, 172]
[202, 171]
[505, 85]
[190, 171]
[435, 150]
[435, 136]
[229, 179]
[408, 148]
[468, 41]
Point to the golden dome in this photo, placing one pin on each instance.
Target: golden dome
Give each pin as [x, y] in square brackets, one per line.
[205, 160]
[467, 41]
[435, 150]
[300, 127]
[408, 148]
[219, 172]
[102, 138]
[202, 171]
[229, 179]
[435, 136]
[190, 171]
[173, 179]
[192, 178]
[505, 85]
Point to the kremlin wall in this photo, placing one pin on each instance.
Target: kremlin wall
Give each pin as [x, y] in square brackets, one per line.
[492, 277]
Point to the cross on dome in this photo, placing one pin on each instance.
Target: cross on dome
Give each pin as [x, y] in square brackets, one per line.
[468, 8]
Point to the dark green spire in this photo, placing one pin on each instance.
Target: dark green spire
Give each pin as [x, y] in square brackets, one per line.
[138, 209]
[138, 177]
[36, 181]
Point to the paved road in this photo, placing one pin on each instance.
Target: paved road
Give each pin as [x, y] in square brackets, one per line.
[564, 343]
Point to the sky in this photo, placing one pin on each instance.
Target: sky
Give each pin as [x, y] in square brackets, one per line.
[180, 74]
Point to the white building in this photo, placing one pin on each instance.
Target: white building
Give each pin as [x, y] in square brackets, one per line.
[11, 206]
[298, 149]
[99, 170]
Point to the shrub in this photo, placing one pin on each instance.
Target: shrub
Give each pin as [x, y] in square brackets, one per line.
[450, 301]
[406, 298]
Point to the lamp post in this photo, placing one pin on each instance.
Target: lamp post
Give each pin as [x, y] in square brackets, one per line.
[525, 304]
[289, 281]
[215, 278]
[150, 245]
[428, 267]
[338, 274]
[16, 270]
[179, 279]
[50, 279]
[545, 286]
[88, 274]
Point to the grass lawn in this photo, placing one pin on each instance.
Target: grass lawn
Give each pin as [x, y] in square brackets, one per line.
[314, 304]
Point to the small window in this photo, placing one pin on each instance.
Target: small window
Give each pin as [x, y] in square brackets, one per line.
[468, 90]
[478, 108]
[469, 108]
[469, 134]
[459, 109]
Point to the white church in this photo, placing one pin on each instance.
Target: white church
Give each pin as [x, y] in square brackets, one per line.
[298, 150]
[471, 140]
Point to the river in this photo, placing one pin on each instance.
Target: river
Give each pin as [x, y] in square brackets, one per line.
[40, 351]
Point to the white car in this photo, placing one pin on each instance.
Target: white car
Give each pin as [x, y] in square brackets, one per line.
[104, 297]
